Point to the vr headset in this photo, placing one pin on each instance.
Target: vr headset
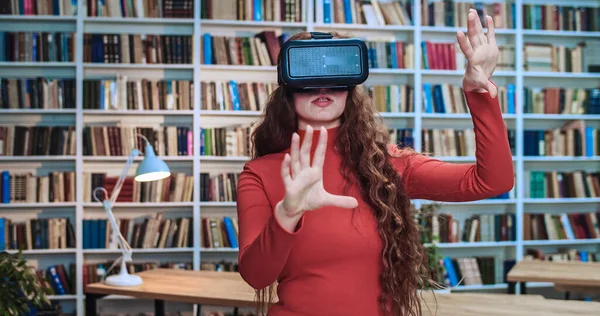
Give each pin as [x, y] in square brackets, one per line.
[323, 62]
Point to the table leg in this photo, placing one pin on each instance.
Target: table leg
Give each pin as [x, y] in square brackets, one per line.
[513, 285]
[159, 307]
[235, 311]
[567, 295]
[199, 310]
[90, 303]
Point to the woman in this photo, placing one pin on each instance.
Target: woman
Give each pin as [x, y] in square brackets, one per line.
[324, 212]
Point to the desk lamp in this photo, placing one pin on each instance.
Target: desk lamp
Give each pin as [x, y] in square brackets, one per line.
[150, 169]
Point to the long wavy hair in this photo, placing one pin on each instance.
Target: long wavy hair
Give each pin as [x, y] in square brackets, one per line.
[362, 140]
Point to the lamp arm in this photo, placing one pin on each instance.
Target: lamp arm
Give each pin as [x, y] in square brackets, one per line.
[134, 153]
[115, 193]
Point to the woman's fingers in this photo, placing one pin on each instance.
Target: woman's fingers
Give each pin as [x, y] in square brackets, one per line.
[295, 158]
[491, 35]
[479, 28]
[285, 170]
[341, 201]
[472, 30]
[464, 44]
[319, 158]
[305, 148]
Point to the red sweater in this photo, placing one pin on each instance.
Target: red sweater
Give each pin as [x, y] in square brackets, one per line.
[330, 265]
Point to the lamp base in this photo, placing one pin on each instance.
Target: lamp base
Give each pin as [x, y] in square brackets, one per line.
[123, 278]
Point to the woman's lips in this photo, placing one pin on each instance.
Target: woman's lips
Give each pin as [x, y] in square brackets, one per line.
[322, 101]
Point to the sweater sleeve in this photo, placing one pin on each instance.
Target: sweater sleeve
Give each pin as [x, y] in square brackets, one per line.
[264, 245]
[491, 175]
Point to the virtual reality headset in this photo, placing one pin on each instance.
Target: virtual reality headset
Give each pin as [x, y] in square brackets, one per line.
[323, 62]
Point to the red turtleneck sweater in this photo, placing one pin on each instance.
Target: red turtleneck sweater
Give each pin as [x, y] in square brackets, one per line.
[330, 264]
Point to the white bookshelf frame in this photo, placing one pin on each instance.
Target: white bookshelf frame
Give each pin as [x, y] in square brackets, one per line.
[199, 118]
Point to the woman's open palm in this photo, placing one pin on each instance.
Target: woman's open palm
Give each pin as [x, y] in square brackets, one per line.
[303, 180]
[481, 52]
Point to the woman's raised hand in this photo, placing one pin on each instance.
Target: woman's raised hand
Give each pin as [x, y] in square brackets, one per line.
[303, 181]
[481, 52]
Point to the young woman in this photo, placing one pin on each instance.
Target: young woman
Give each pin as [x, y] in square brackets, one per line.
[323, 207]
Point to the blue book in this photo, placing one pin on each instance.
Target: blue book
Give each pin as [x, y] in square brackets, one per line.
[394, 55]
[231, 236]
[102, 233]
[510, 91]
[258, 10]
[207, 49]
[235, 99]
[327, 11]
[428, 98]
[589, 141]
[2, 241]
[348, 11]
[5, 187]
[55, 281]
[424, 55]
[451, 272]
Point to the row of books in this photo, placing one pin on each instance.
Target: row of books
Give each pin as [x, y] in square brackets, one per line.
[479, 270]
[402, 137]
[219, 232]
[454, 142]
[434, 13]
[226, 141]
[557, 17]
[361, 12]
[562, 184]
[37, 46]
[178, 187]
[125, 93]
[28, 140]
[562, 254]
[445, 228]
[557, 100]
[35, 7]
[37, 93]
[137, 48]
[121, 140]
[232, 95]
[563, 141]
[25, 187]
[455, 13]
[221, 187]
[140, 9]
[448, 56]
[58, 279]
[546, 226]
[37, 233]
[573, 58]
[449, 98]
[248, 10]
[139, 232]
[170, 141]
[392, 98]
[261, 49]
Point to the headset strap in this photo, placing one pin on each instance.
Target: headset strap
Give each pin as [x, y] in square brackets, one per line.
[321, 35]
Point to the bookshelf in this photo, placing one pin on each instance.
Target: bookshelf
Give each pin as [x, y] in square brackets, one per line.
[190, 29]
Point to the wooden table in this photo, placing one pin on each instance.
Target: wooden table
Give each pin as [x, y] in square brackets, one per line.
[229, 289]
[567, 276]
[186, 286]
